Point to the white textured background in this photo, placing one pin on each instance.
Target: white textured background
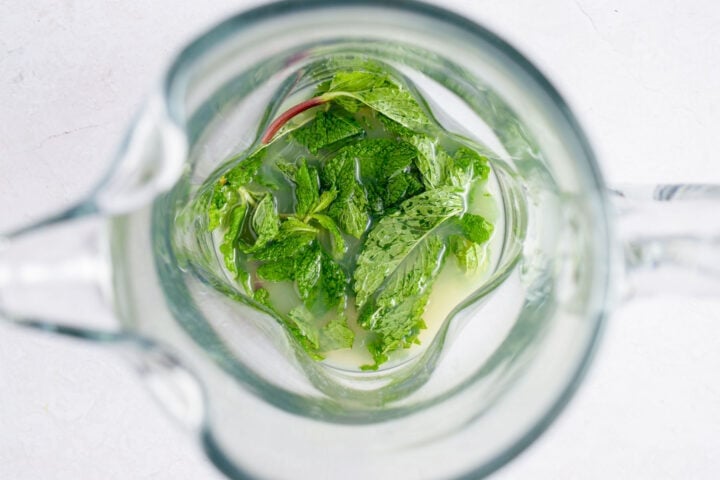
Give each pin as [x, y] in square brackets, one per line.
[644, 78]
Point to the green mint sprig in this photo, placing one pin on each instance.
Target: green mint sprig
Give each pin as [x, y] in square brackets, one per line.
[377, 209]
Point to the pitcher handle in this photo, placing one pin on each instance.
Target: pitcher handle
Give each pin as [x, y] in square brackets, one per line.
[670, 238]
[55, 273]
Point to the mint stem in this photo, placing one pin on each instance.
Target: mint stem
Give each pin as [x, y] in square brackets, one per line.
[286, 116]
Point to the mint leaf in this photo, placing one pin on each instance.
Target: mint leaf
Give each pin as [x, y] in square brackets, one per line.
[234, 225]
[349, 209]
[304, 321]
[431, 160]
[398, 131]
[395, 314]
[277, 271]
[468, 159]
[220, 199]
[287, 169]
[396, 236]
[325, 129]
[380, 158]
[399, 328]
[348, 103]
[245, 171]
[398, 180]
[262, 297]
[469, 255]
[308, 267]
[338, 242]
[387, 171]
[320, 281]
[333, 283]
[293, 225]
[224, 194]
[476, 228]
[397, 104]
[350, 212]
[288, 244]
[467, 248]
[396, 190]
[411, 278]
[339, 172]
[336, 334]
[354, 77]
[401, 187]
[436, 166]
[265, 223]
[306, 188]
[356, 81]
[378, 92]
[326, 198]
[465, 167]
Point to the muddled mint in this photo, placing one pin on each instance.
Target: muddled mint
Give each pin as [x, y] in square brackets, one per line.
[357, 204]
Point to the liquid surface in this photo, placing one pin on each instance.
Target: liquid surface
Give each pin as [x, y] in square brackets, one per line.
[357, 223]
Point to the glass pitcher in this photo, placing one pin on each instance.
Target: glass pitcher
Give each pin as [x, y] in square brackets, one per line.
[129, 270]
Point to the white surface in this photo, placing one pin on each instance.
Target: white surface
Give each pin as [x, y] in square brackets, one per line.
[643, 77]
